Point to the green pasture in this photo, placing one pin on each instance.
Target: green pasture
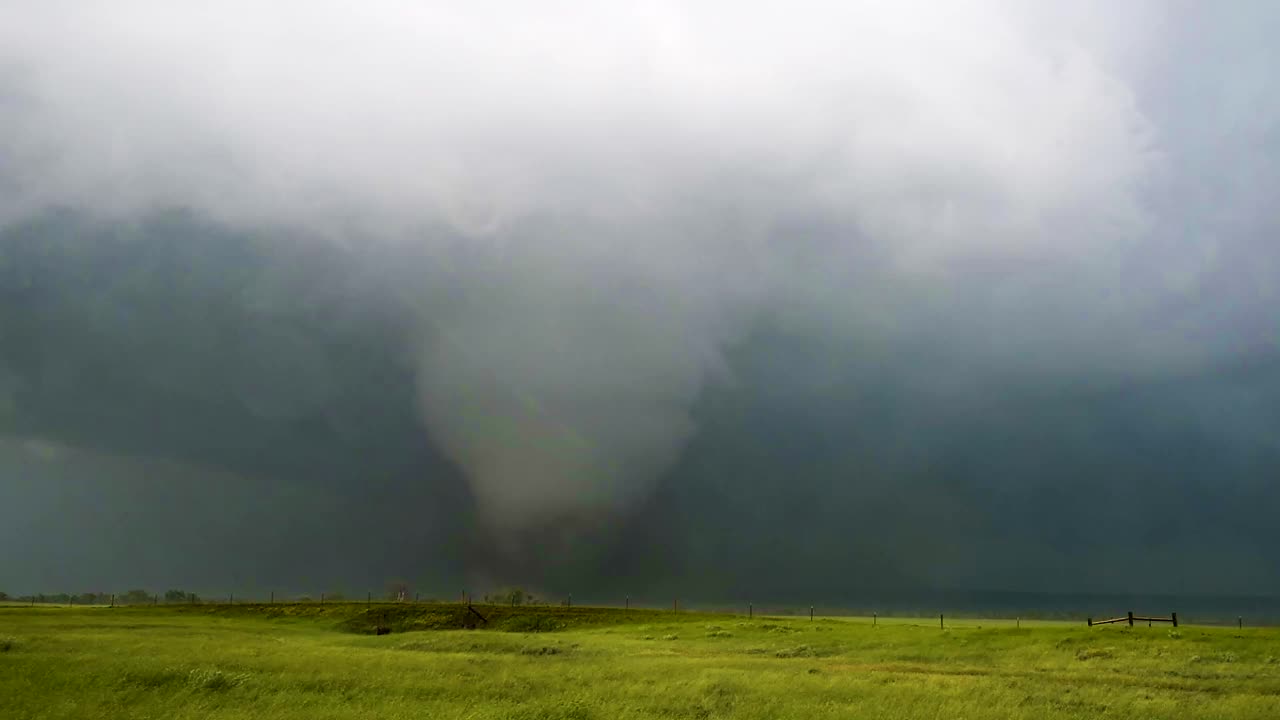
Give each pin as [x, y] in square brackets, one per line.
[312, 662]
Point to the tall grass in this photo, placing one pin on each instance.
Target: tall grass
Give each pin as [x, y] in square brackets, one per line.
[312, 662]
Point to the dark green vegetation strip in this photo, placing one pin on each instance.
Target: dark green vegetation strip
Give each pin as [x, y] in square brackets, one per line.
[365, 618]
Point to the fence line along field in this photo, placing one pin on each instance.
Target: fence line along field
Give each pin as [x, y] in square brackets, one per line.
[328, 661]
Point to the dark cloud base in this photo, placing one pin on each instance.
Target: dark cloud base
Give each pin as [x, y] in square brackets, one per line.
[190, 405]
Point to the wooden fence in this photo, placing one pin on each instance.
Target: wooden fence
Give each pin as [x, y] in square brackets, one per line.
[1130, 618]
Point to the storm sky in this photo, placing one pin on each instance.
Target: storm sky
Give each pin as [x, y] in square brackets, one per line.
[794, 299]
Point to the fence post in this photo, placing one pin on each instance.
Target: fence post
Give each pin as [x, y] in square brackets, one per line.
[273, 597]
[569, 601]
[231, 599]
[368, 598]
[113, 600]
[675, 605]
[628, 606]
[1240, 622]
[875, 617]
[751, 611]
[321, 598]
[810, 613]
[1174, 616]
[941, 624]
[1130, 618]
[1019, 624]
[1090, 622]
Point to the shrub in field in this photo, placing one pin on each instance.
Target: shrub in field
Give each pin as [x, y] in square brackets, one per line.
[7, 643]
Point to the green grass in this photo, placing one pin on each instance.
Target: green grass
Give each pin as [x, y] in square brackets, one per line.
[312, 661]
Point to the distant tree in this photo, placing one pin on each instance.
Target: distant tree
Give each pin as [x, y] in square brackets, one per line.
[136, 597]
[398, 590]
[177, 596]
[4, 596]
[514, 596]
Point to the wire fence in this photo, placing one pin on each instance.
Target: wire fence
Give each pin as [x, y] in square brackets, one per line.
[1257, 616]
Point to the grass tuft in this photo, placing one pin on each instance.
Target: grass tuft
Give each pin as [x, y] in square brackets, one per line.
[539, 651]
[215, 680]
[211, 679]
[1095, 653]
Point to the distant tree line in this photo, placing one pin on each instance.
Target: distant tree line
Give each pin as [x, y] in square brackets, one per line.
[511, 596]
[129, 597]
[395, 591]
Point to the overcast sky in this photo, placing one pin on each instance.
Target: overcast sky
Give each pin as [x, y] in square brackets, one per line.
[607, 295]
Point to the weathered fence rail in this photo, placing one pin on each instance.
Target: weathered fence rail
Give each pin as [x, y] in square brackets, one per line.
[1131, 618]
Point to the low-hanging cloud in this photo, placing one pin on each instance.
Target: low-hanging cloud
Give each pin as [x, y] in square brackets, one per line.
[606, 194]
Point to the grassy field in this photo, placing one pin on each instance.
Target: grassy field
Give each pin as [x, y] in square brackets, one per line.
[311, 661]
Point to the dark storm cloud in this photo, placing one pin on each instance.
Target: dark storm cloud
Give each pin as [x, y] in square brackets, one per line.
[893, 252]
